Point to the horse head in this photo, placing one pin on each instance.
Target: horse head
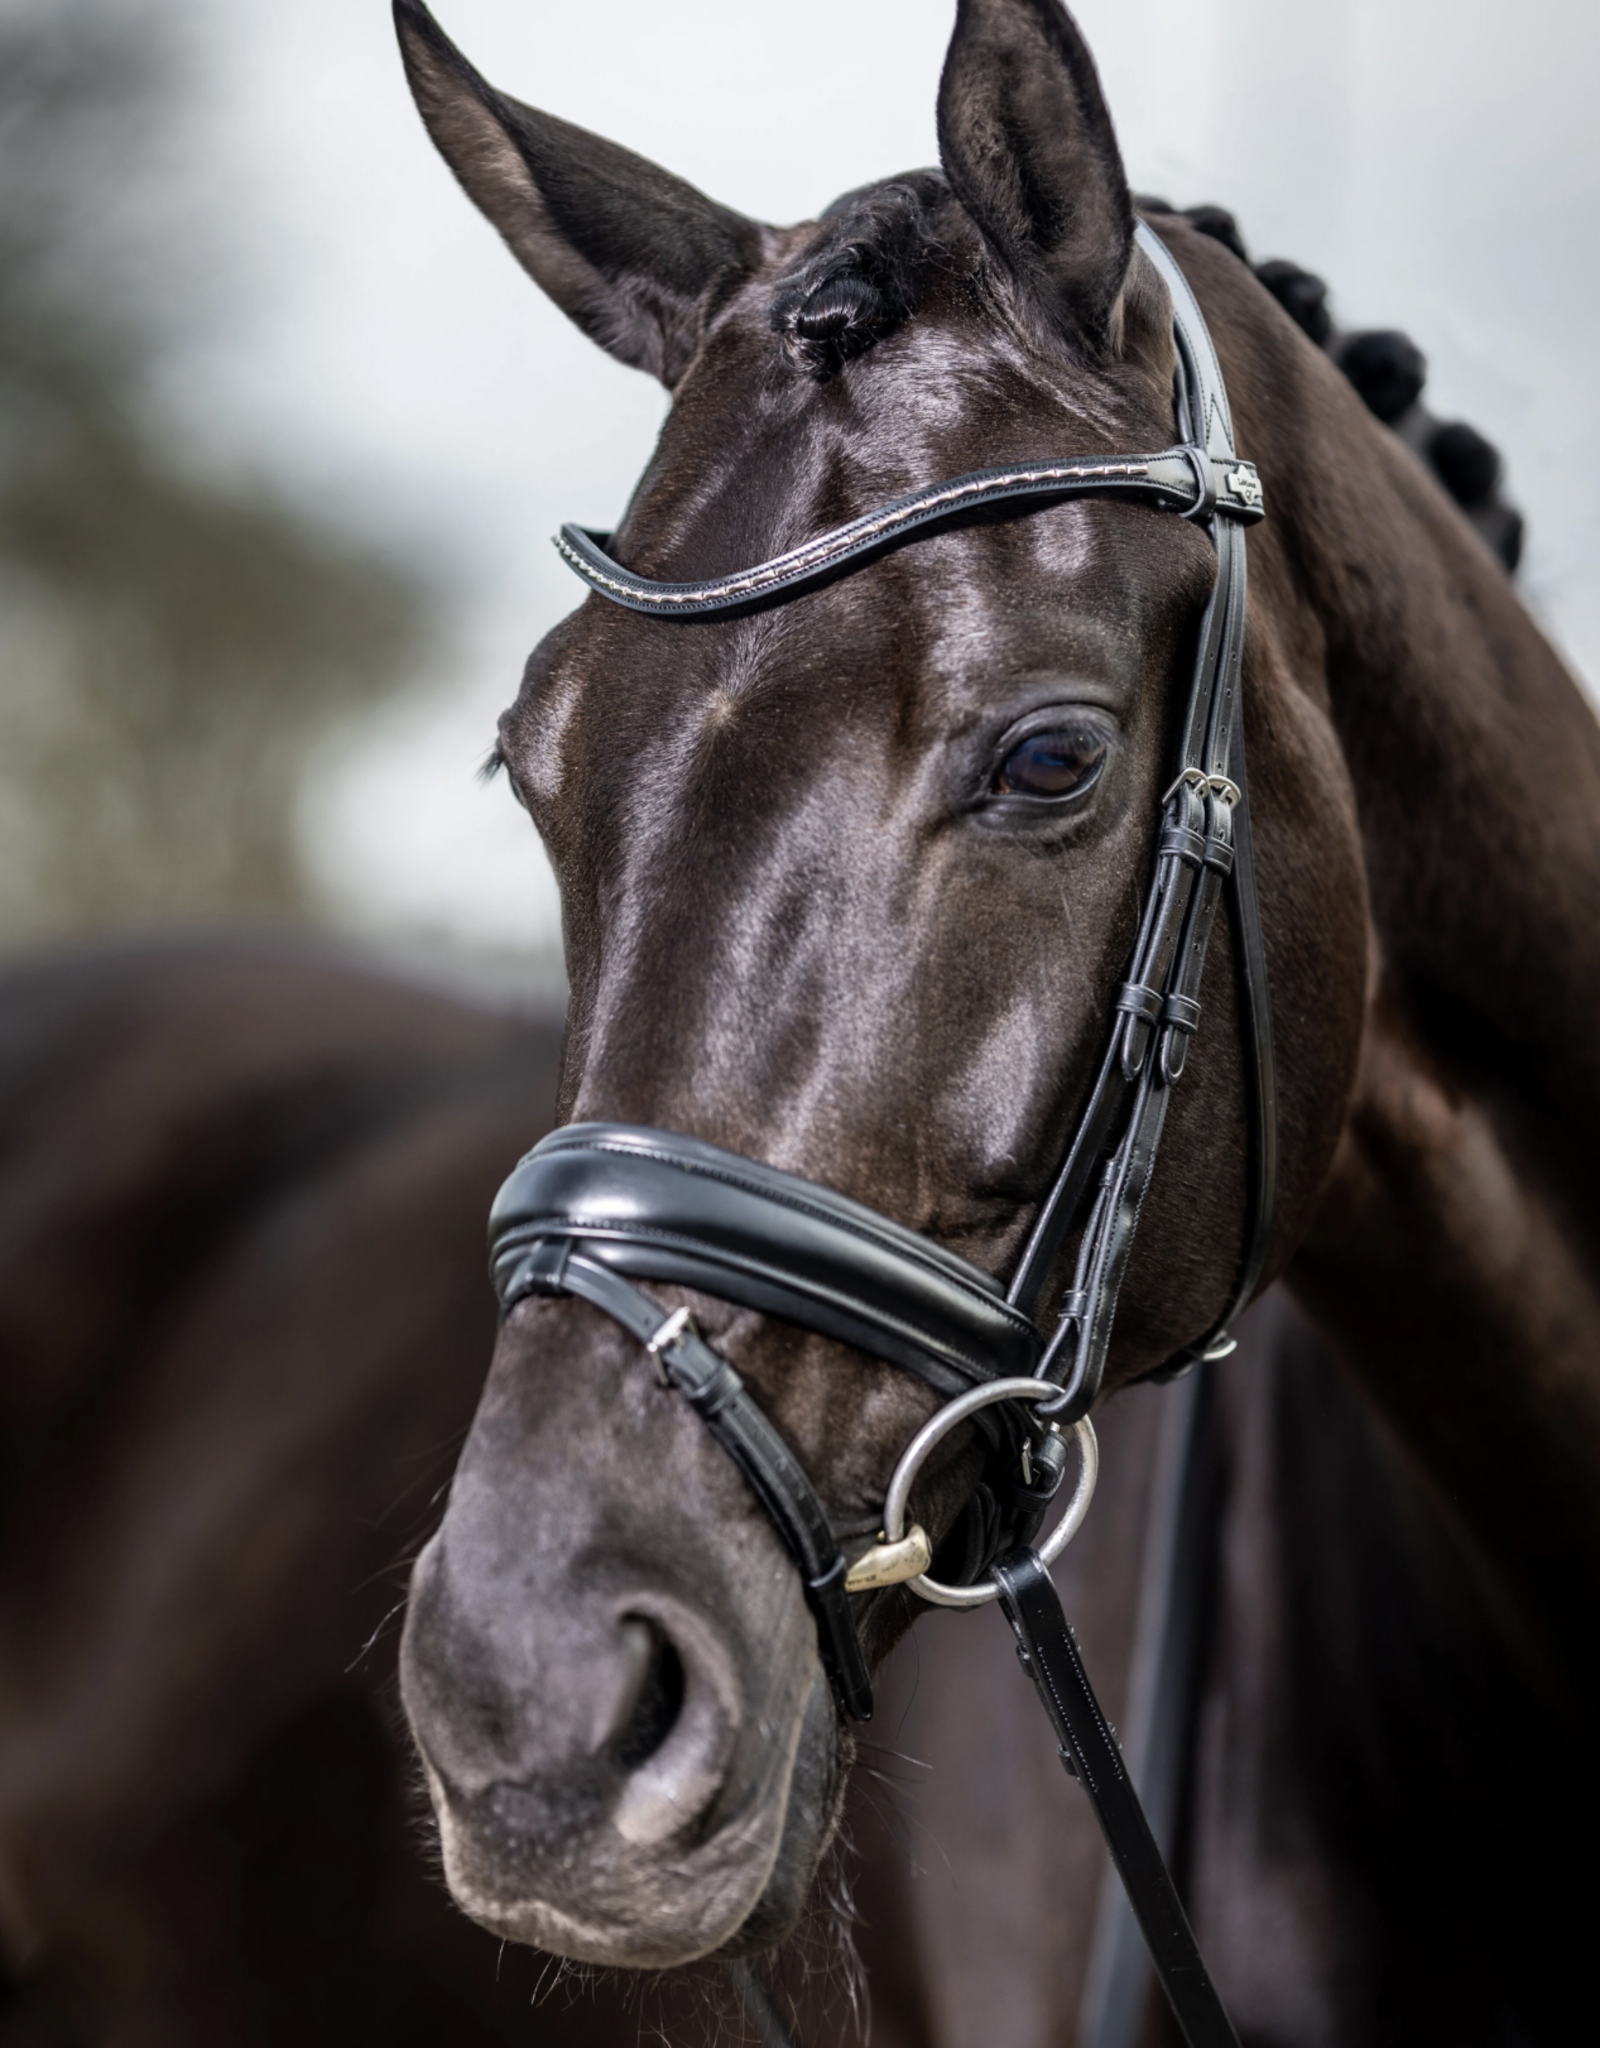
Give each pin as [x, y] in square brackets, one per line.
[847, 885]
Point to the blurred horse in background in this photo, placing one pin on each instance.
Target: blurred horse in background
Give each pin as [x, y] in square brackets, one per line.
[243, 1318]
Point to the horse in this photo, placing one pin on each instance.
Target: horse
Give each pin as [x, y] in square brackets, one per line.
[241, 1279]
[848, 884]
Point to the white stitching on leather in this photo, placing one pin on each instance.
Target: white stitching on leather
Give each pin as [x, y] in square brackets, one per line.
[815, 554]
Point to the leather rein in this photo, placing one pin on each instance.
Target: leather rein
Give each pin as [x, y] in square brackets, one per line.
[596, 1208]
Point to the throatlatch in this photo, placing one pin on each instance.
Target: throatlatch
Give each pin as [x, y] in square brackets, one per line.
[594, 1209]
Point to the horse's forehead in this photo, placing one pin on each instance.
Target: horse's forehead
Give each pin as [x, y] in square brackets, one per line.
[1067, 584]
[756, 458]
[954, 387]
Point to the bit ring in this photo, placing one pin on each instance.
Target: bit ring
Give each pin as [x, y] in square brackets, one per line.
[939, 1426]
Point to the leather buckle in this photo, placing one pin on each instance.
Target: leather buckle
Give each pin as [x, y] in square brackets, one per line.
[1201, 783]
[678, 1325]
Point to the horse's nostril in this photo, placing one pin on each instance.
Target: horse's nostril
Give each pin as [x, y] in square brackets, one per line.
[658, 1702]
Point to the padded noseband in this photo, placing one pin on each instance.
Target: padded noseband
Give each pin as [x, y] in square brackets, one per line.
[657, 1206]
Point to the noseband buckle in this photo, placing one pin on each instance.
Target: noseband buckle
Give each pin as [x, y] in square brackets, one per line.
[679, 1325]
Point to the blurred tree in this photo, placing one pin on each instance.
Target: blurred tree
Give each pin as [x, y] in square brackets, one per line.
[171, 648]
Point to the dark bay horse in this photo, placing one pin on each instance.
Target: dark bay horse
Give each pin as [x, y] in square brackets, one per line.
[241, 1294]
[847, 886]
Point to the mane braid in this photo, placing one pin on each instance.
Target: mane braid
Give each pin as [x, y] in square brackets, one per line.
[1389, 372]
[860, 280]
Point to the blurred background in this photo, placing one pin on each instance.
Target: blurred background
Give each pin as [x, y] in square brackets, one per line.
[284, 431]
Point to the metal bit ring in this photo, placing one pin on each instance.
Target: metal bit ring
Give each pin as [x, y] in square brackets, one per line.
[938, 1427]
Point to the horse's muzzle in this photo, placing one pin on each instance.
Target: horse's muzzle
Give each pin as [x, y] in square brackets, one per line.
[612, 1721]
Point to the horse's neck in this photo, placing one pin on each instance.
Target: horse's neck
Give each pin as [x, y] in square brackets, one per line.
[1456, 1258]
[1355, 1830]
[1476, 765]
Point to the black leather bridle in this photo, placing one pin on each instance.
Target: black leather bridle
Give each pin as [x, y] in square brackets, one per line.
[596, 1208]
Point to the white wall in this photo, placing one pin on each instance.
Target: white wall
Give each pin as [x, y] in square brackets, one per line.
[1438, 163]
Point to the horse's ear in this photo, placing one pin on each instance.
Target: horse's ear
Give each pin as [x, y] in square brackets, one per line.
[635, 256]
[1029, 149]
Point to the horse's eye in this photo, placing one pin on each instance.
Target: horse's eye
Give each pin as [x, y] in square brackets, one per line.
[1052, 764]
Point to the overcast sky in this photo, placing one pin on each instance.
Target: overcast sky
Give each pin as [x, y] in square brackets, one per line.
[1436, 160]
